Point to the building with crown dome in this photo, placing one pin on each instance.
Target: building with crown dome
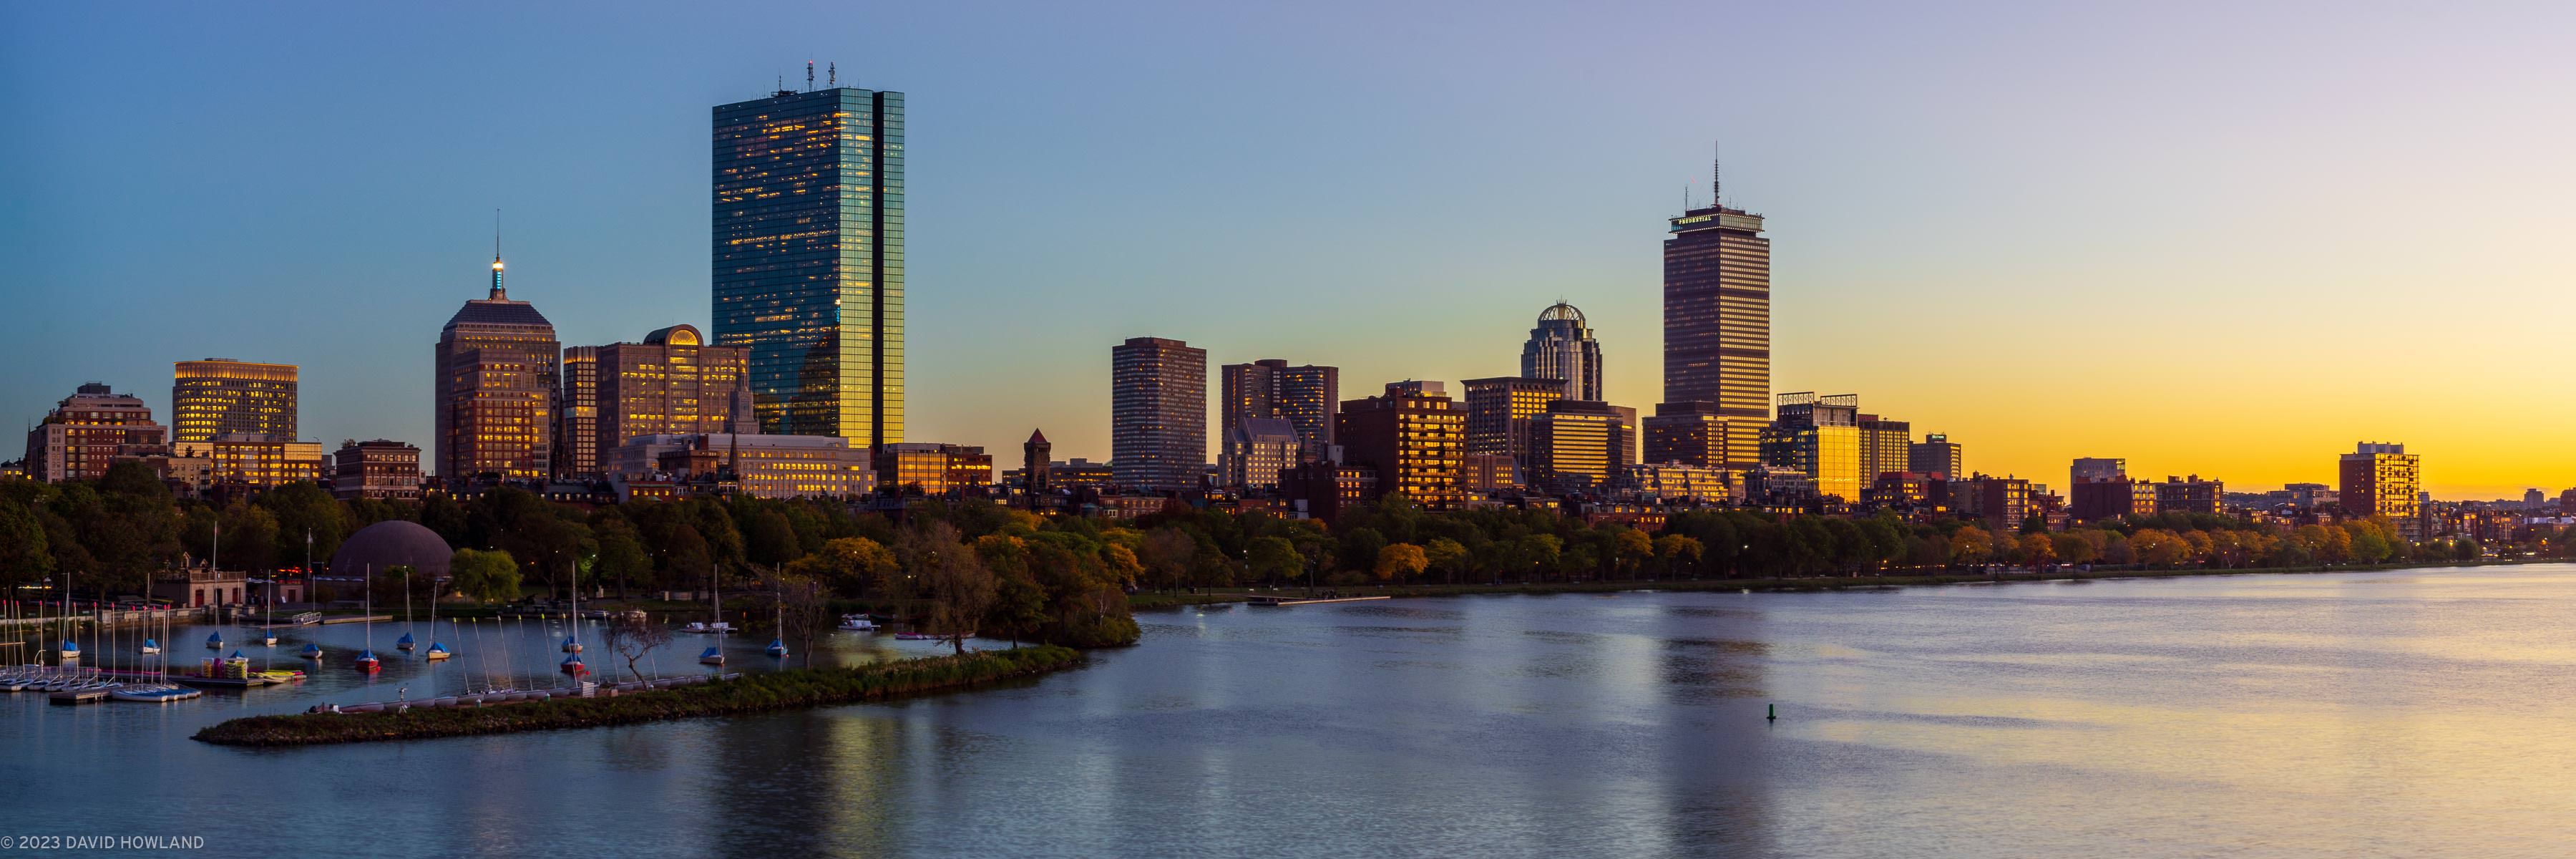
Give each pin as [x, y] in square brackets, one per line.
[495, 391]
[1562, 348]
[673, 383]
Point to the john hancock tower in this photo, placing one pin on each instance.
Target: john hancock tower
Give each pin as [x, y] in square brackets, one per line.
[809, 258]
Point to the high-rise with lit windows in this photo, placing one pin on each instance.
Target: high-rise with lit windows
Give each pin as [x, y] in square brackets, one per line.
[1820, 436]
[1717, 317]
[808, 258]
[496, 389]
[221, 396]
[1561, 347]
[1157, 413]
[673, 383]
[2382, 479]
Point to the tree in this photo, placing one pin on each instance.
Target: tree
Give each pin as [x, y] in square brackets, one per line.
[1167, 556]
[1400, 561]
[958, 586]
[1629, 550]
[621, 553]
[2071, 547]
[299, 509]
[632, 635]
[1446, 555]
[1274, 559]
[851, 566]
[1971, 545]
[484, 576]
[24, 556]
[1539, 551]
[2038, 549]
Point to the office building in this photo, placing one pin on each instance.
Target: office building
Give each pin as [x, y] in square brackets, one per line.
[1305, 396]
[808, 258]
[1821, 437]
[2190, 495]
[2096, 470]
[1561, 348]
[762, 466]
[380, 469]
[673, 383]
[1499, 410]
[1157, 414]
[88, 430]
[2383, 480]
[1257, 451]
[1581, 446]
[1414, 437]
[1717, 317]
[2003, 502]
[933, 468]
[1938, 456]
[221, 396]
[1682, 484]
[495, 390]
[254, 459]
[1693, 433]
[1886, 447]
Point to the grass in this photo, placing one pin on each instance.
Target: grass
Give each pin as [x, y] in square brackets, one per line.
[793, 688]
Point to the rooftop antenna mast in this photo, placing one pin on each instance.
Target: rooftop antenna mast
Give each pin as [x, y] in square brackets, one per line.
[809, 75]
[1716, 173]
[832, 74]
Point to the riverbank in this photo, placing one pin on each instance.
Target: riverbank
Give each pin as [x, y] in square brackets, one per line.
[1802, 584]
[792, 688]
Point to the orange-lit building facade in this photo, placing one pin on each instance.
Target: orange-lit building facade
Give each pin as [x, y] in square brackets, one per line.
[1414, 436]
[496, 388]
[87, 431]
[220, 396]
[673, 383]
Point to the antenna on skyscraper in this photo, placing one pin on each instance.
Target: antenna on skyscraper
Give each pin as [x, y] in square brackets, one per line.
[832, 74]
[809, 75]
[1716, 172]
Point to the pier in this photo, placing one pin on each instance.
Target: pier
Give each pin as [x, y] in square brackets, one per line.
[1286, 601]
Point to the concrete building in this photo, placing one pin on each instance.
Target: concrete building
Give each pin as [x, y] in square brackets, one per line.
[1936, 454]
[1414, 437]
[1307, 397]
[762, 466]
[673, 383]
[1499, 410]
[89, 430]
[1158, 414]
[1257, 451]
[1717, 317]
[253, 459]
[2190, 495]
[2383, 480]
[1581, 446]
[1561, 348]
[1886, 447]
[220, 396]
[495, 390]
[937, 469]
[378, 469]
[1694, 433]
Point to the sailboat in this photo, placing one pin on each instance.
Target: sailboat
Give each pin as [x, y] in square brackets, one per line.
[71, 649]
[367, 658]
[572, 642]
[214, 641]
[267, 636]
[713, 656]
[717, 625]
[311, 651]
[778, 646]
[436, 650]
[404, 643]
[151, 646]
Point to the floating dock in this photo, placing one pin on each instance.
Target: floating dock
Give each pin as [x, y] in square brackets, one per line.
[1270, 600]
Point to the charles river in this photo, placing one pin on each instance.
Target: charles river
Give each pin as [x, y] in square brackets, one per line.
[2407, 713]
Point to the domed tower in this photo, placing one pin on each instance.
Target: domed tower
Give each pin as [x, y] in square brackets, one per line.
[1562, 348]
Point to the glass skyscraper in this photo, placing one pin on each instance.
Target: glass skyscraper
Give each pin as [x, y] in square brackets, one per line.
[809, 258]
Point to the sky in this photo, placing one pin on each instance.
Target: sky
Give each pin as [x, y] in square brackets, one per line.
[2219, 239]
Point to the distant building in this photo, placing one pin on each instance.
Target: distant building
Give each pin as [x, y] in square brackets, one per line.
[1562, 348]
[221, 396]
[1819, 436]
[937, 469]
[762, 466]
[2096, 470]
[1694, 433]
[1937, 455]
[1886, 447]
[2190, 495]
[1257, 451]
[2003, 502]
[1306, 397]
[1036, 470]
[1581, 446]
[673, 383]
[2099, 488]
[1717, 316]
[495, 390]
[2534, 499]
[379, 469]
[808, 258]
[87, 431]
[1487, 473]
[1670, 483]
[253, 459]
[1322, 490]
[2383, 480]
[1157, 414]
[1414, 436]
[1499, 410]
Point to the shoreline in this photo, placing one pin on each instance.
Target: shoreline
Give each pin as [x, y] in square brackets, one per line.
[795, 688]
[1808, 584]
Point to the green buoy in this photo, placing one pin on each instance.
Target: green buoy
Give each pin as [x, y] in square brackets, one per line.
[1773, 715]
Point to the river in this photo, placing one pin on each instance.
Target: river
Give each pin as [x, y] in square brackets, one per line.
[2404, 713]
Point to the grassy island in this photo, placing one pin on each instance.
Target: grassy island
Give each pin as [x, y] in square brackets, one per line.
[799, 687]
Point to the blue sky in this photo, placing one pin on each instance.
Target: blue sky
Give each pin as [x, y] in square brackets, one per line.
[2048, 230]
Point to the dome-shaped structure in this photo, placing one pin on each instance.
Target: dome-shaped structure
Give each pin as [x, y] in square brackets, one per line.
[1561, 312]
[390, 543]
[1562, 348]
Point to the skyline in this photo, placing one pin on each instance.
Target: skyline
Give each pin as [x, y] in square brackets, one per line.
[1015, 262]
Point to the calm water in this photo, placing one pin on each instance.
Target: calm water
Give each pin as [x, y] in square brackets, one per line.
[2372, 714]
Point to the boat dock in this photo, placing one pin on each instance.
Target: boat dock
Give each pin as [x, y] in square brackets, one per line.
[79, 696]
[305, 619]
[1283, 601]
